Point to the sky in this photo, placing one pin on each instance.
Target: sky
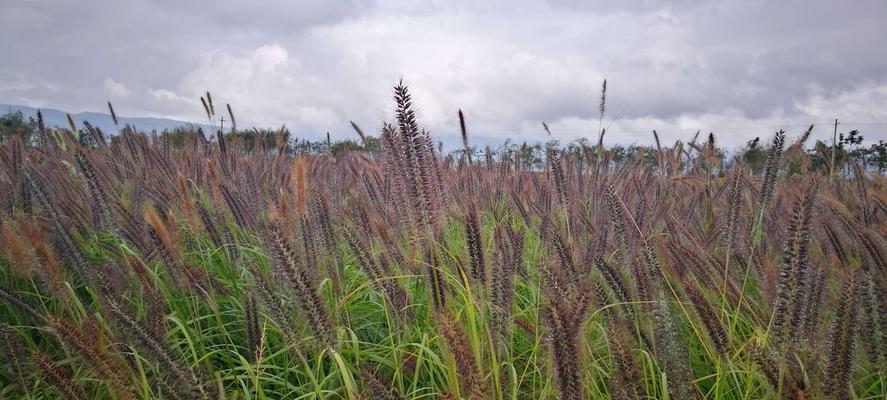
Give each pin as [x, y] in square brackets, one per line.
[740, 69]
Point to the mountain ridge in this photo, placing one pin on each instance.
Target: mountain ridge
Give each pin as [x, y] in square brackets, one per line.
[56, 117]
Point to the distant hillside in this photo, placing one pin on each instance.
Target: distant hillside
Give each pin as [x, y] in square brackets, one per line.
[53, 117]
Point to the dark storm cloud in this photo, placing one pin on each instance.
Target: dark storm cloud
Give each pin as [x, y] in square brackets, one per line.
[739, 68]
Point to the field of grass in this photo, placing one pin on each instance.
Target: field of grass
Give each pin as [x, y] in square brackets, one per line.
[133, 268]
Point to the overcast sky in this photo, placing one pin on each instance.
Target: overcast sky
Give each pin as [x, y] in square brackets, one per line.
[738, 68]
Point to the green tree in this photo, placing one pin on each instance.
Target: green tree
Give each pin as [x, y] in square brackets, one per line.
[877, 156]
[754, 155]
[14, 123]
[372, 145]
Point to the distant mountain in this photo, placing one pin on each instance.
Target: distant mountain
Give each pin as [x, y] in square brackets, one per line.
[53, 117]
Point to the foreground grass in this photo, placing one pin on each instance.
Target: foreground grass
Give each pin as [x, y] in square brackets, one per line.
[134, 270]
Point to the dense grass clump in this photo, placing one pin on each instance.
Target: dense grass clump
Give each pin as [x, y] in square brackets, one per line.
[137, 269]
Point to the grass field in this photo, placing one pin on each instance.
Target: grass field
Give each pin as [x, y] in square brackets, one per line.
[135, 268]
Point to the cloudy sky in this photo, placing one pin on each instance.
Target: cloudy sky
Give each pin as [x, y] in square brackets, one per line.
[739, 68]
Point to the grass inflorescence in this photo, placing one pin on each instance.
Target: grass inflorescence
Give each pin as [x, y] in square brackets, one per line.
[135, 267]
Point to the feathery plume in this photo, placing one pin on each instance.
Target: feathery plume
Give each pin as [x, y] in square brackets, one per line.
[793, 271]
[71, 123]
[14, 355]
[602, 108]
[113, 114]
[206, 108]
[464, 136]
[231, 115]
[375, 386]
[176, 374]
[41, 126]
[733, 205]
[457, 344]
[100, 361]
[363, 138]
[628, 382]
[59, 377]
[209, 100]
[303, 284]
[671, 351]
[771, 171]
[842, 341]
[395, 295]
[475, 246]
[501, 284]
[437, 286]
[253, 330]
[716, 331]
[300, 184]
[871, 331]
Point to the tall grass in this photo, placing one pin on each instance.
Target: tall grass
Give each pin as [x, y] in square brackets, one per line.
[132, 269]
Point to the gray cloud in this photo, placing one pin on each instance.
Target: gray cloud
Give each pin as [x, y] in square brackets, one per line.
[738, 68]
